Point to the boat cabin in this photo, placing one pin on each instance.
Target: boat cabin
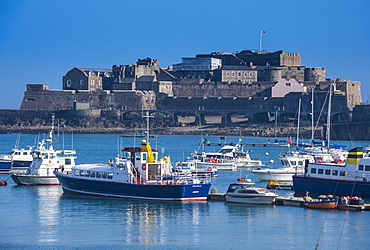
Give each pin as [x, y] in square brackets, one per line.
[357, 167]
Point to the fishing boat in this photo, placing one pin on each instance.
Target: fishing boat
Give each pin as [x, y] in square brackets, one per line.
[322, 202]
[244, 191]
[341, 179]
[138, 174]
[45, 161]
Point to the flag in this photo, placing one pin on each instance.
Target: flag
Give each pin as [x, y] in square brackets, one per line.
[263, 31]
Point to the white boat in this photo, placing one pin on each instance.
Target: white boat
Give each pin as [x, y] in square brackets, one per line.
[189, 167]
[17, 160]
[209, 160]
[46, 160]
[241, 158]
[244, 191]
[291, 164]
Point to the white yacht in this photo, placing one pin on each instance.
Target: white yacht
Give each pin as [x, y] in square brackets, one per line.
[244, 191]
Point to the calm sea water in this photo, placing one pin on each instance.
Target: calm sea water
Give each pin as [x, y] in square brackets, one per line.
[43, 217]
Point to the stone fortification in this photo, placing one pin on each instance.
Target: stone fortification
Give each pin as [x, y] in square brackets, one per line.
[41, 98]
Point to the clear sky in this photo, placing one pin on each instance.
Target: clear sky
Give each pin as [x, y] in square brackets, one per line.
[41, 40]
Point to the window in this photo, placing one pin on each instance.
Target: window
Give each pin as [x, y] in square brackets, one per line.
[104, 175]
[300, 163]
[321, 171]
[69, 83]
[342, 173]
[68, 161]
[98, 175]
[293, 163]
[251, 74]
[227, 74]
[245, 73]
[334, 172]
[313, 170]
[287, 84]
[361, 167]
[239, 74]
[327, 171]
[110, 175]
[92, 174]
[367, 168]
[233, 74]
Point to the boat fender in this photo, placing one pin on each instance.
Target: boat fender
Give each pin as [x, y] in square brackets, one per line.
[209, 169]
[143, 166]
[3, 183]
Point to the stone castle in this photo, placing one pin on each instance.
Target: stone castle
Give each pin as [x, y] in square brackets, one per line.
[249, 83]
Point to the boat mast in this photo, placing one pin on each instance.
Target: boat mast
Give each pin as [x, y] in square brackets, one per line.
[147, 116]
[299, 116]
[328, 117]
[312, 117]
[51, 132]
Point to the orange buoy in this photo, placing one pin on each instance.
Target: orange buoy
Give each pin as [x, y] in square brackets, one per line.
[271, 161]
[266, 153]
[3, 183]
[250, 150]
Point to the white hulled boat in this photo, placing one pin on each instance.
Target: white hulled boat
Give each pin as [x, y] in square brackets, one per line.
[46, 160]
[244, 191]
[291, 164]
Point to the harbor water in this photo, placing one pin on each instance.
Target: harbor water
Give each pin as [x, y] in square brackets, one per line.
[43, 217]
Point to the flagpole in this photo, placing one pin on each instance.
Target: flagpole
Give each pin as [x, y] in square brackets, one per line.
[261, 40]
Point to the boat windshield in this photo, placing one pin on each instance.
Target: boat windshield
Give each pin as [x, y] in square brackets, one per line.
[225, 150]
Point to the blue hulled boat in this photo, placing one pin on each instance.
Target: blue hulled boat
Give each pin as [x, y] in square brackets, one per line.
[342, 179]
[139, 174]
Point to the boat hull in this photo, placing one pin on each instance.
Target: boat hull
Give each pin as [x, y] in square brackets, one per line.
[261, 200]
[178, 192]
[322, 204]
[270, 175]
[31, 180]
[219, 166]
[317, 186]
[5, 167]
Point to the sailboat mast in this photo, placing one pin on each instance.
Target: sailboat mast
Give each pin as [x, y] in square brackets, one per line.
[328, 117]
[312, 117]
[299, 117]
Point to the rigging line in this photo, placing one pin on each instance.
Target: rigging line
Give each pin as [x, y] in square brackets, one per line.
[341, 231]
[321, 111]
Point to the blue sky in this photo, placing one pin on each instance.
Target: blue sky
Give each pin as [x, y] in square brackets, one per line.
[41, 40]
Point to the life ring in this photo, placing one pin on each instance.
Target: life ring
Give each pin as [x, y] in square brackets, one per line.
[143, 166]
[209, 169]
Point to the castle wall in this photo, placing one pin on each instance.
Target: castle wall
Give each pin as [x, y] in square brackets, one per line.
[208, 89]
[315, 74]
[65, 99]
